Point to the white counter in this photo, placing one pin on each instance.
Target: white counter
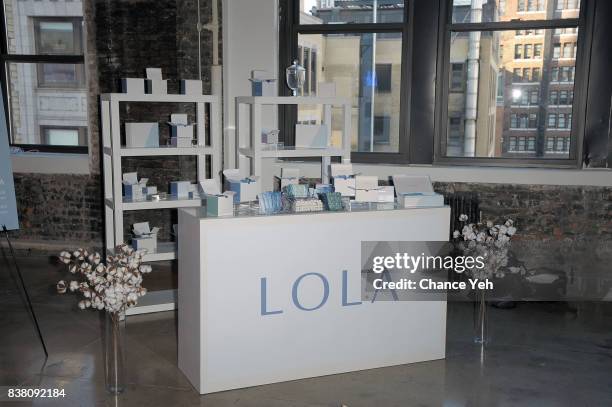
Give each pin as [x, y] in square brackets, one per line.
[275, 298]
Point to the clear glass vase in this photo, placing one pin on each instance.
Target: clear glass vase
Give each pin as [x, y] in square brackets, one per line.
[481, 318]
[114, 355]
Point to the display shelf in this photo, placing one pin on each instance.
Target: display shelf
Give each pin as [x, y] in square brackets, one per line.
[170, 203]
[207, 153]
[251, 151]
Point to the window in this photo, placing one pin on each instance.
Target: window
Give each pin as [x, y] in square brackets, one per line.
[568, 50]
[550, 144]
[365, 64]
[45, 88]
[518, 51]
[561, 123]
[524, 114]
[537, 51]
[383, 77]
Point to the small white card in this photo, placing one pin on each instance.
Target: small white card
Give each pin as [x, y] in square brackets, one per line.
[154, 73]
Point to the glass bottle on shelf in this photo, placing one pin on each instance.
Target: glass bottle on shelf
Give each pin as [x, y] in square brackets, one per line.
[296, 75]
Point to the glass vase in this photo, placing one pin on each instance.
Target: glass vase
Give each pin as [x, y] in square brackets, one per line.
[114, 355]
[481, 318]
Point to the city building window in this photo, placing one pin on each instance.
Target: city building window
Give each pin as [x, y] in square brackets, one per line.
[528, 42]
[568, 50]
[365, 65]
[563, 97]
[550, 144]
[537, 50]
[512, 144]
[518, 51]
[44, 59]
[561, 123]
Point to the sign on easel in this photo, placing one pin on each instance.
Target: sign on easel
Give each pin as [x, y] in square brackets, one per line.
[8, 205]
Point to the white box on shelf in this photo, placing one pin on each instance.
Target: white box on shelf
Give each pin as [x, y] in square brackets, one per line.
[156, 86]
[180, 189]
[326, 90]
[366, 188]
[263, 83]
[154, 73]
[270, 136]
[421, 200]
[386, 194]
[311, 136]
[133, 188]
[150, 190]
[133, 86]
[181, 142]
[144, 238]
[191, 87]
[245, 188]
[139, 135]
[343, 178]
[181, 131]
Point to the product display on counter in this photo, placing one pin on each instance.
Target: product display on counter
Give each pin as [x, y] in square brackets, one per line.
[245, 188]
[217, 203]
[324, 188]
[289, 175]
[416, 191]
[144, 238]
[133, 188]
[296, 191]
[343, 179]
[306, 205]
[332, 201]
[366, 188]
[386, 193]
[270, 202]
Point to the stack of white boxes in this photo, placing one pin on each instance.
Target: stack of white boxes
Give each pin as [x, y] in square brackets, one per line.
[343, 178]
[181, 133]
[154, 83]
[217, 204]
[416, 191]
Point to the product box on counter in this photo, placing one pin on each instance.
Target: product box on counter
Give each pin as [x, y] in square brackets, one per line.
[288, 176]
[416, 191]
[366, 188]
[343, 179]
[245, 188]
[217, 203]
[180, 189]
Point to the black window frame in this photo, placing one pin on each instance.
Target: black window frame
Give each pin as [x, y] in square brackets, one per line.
[289, 30]
[6, 58]
[584, 41]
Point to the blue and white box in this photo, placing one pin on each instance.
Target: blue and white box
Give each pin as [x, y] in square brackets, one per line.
[416, 191]
[343, 179]
[142, 135]
[263, 83]
[133, 188]
[217, 204]
[133, 86]
[156, 86]
[181, 133]
[180, 189]
[191, 87]
[144, 238]
[245, 188]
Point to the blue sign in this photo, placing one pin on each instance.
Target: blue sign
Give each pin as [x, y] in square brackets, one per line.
[8, 205]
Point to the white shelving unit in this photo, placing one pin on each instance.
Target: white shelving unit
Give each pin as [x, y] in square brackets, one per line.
[113, 152]
[248, 138]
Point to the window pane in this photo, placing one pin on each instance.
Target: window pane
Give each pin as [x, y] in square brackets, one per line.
[351, 11]
[366, 69]
[466, 11]
[534, 93]
[61, 137]
[58, 32]
[35, 109]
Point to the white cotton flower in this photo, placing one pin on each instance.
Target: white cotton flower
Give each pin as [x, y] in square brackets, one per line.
[481, 237]
[489, 224]
[509, 222]
[456, 234]
[511, 231]
[463, 218]
[61, 287]
[503, 229]
[65, 257]
[74, 285]
[82, 305]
